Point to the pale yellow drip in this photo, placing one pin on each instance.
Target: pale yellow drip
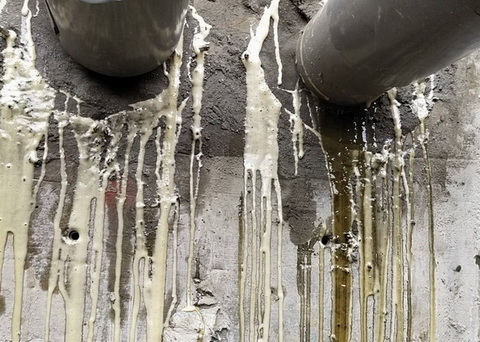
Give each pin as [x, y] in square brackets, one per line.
[199, 47]
[381, 234]
[175, 265]
[421, 109]
[99, 226]
[154, 292]
[119, 242]
[25, 106]
[261, 157]
[62, 119]
[397, 327]
[296, 127]
[144, 128]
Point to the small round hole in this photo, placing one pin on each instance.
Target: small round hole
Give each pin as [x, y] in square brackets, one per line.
[74, 235]
[325, 239]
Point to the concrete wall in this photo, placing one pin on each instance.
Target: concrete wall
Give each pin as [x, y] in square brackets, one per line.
[286, 219]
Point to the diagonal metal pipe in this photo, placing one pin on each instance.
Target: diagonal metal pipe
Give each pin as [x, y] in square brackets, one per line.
[119, 37]
[354, 50]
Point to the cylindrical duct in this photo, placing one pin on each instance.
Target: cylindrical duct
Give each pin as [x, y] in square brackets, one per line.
[119, 38]
[354, 50]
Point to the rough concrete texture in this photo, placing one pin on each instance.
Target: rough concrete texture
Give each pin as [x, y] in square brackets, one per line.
[325, 197]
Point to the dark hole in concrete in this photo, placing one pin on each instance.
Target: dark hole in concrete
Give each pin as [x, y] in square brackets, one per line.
[458, 268]
[477, 260]
[325, 239]
[74, 235]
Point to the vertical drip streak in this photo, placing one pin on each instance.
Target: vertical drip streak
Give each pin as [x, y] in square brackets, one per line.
[382, 238]
[296, 127]
[398, 257]
[99, 223]
[421, 108]
[119, 242]
[155, 278]
[174, 262]
[26, 103]
[261, 160]
[408, 186]
[142, 128]
[62, 119]
[200, 46]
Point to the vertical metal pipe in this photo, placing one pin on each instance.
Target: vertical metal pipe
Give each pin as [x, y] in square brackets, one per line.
[119, 38]
[354, 50]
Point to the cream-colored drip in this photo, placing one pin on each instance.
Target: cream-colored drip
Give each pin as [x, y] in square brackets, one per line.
[397, 323]
[260, 159]
[381, 226]
[26, 103]
[296, 127]
[174, 302]
[155, 276]
[86, 204]
[116, 305]
[62, 120]
[110, 167]
[143, 123]
[421, 106]
[199, 46]
[76, 263]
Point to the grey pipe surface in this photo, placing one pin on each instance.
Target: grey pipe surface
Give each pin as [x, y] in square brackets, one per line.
[119, 37]
[354, 50]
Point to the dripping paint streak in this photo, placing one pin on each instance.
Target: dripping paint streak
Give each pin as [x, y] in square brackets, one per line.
[242, 264]
[304, 285]
[383, 240]
[398, 258]
[296, 127]
[321, 291]
[155, 280]
[173, 305]
[422, 113]
[200, 46]
[62, 119]
[260, 159]
[119, 242]
[142, 128]
[410, 225]
[23, 124]
[99, 225]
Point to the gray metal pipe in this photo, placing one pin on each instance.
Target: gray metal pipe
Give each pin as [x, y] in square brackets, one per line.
[354, 50]
[119, 38]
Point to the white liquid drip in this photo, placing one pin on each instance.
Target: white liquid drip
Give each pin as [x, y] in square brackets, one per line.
[261, 157]
[199, 47]
[421, 105]
[25, 106]
[296, 127]
[154, 291]
[398, 282]
[62, 119]
[121, 199]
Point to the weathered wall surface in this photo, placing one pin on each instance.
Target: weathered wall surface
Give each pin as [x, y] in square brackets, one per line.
[285, 219]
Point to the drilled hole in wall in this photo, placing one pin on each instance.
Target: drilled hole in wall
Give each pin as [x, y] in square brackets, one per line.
[73, 235]
[325, 239]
